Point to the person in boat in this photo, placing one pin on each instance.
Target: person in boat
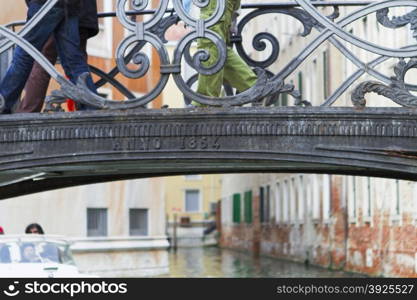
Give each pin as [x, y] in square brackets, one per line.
[5, 253]
[28, 253]
[34, 228]
[50, 253]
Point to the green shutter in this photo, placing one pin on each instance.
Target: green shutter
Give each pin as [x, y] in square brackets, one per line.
[248, 207]
[325, 75]
[284, 99]
[262, 204]
[236, 208]
[300, 83]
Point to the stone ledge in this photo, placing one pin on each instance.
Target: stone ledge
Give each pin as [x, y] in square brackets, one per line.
[119, 244]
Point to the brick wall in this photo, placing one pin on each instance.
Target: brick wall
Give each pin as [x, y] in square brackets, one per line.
[377, 246]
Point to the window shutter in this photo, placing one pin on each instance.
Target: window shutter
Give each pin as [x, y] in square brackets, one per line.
[236, 208]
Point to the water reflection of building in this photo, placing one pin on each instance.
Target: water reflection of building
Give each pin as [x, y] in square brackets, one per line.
[357, 224]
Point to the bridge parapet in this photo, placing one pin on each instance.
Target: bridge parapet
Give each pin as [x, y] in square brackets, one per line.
[152, 29]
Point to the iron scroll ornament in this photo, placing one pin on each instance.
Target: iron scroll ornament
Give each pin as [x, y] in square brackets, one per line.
[151, 32]
[140, 34]
[333, 31]
[266, 86]
[310, 18]
[396, 91]
[350, 38]
[259, 40]
[398, 22]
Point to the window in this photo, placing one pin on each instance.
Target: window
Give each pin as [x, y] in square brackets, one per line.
[192, 200]
[326, 197]
[365, 29]
[213, 208]
[101, 45]
[301, 198]
[264, 207]
[396, 205]
[293, 201]
[247, 198]
[285, 199]
[311, 83]
[316, 197]
[261, 204]
[352, 198]
[96, 222]
[415, 202]
[272, 203]
[100, 9]
[394, 186]
[268, 204]
[300, 83]
[367, 204]
[278, 203]
[236, 208]
[138, 221]
[225, 210]
[326, 86]
[308, 194]
[193, 177]
[397, 198]
[283, 100]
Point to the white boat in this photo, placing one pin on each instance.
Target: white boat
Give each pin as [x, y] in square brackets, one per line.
[36, 256]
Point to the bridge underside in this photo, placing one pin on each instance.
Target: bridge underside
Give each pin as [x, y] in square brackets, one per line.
[40, 152]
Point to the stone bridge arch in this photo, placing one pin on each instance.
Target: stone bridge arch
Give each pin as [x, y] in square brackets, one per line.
[40, 152]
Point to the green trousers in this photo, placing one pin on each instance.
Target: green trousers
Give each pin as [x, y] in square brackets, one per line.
[235, 71]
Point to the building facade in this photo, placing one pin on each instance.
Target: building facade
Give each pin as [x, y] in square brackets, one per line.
[359, 224]
[191, 207]
[117, 229]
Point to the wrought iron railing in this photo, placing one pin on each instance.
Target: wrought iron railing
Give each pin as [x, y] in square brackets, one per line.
[152, 30]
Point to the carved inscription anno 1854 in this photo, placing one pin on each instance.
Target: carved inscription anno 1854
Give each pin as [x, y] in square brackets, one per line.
[200, 143]
[138, 144]
[160, 143]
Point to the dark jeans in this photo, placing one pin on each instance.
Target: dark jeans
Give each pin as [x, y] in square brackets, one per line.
[67, 38]
[38, 82]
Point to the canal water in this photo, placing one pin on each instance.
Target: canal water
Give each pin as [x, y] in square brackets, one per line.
[216, 262]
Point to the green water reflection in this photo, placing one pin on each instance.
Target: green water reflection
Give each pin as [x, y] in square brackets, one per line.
[216, 262]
